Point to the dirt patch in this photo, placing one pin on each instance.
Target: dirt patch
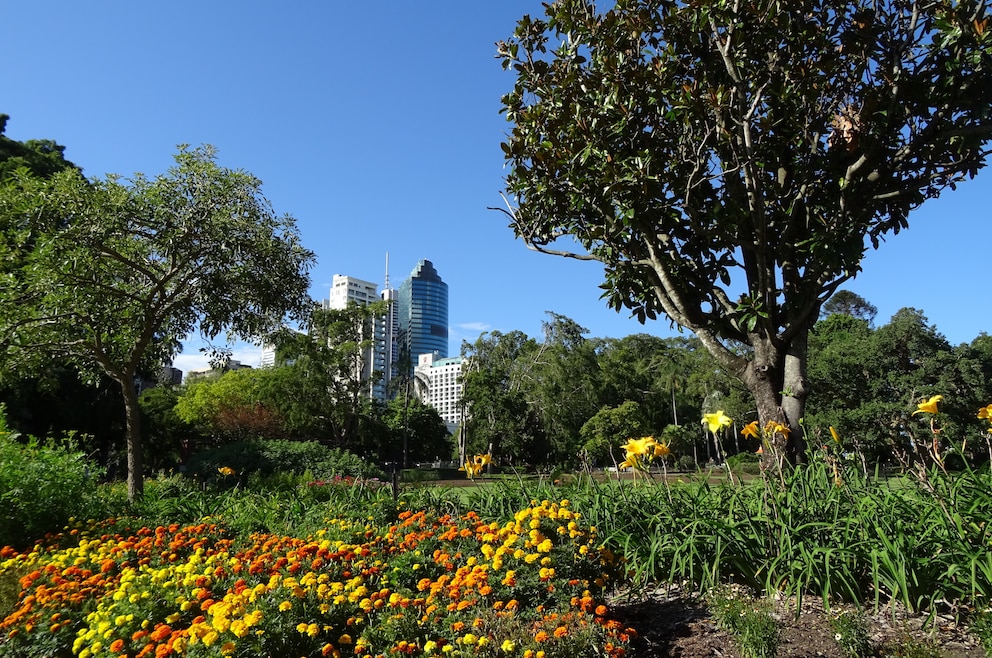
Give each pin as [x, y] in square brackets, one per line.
[672, 625]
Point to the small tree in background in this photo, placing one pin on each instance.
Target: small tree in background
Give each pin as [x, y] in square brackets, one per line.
[610, 428]
[118, 271]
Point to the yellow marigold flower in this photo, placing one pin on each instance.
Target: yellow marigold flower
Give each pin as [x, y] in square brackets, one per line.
[751, 430]
[429, 646]
[928, 406]
[344, 639]
[284, 606]
[716, 421]
[228, 648]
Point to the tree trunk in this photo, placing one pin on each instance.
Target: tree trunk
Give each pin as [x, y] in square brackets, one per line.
[777, 380]
[135, 455]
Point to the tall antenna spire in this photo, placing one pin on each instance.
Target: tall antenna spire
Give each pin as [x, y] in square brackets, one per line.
[385, 284]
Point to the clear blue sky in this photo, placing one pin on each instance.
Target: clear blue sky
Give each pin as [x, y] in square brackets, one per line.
[376, 126]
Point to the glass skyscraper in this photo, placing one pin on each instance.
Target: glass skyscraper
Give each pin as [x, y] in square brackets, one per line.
[422, 303]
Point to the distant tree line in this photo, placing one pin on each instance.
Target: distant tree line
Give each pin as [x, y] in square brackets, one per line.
[566, 399]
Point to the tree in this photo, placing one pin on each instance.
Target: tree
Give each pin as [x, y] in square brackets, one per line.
[563, 385]
[171, 440]
[727, 163]
[428, 436]
[42, 157]
[868, 382]
[324, 391]
[119, 271]
[234, 406]
[499, 418]
[850, 303]
[609, 429]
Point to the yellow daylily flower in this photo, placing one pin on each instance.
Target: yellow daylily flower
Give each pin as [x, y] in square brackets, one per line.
[985, 413]
[834, 434]
[751, 430]
[774, 427]
[225, 471]
[928, 406]
[716, 421]
[641, 452]
[476, 465]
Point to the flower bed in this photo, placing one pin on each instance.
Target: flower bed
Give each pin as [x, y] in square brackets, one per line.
[425, 585]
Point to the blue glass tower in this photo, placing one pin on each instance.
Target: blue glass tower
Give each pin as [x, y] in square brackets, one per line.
[422, 303]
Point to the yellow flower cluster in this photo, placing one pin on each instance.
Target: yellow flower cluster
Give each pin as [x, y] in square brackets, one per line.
[771, 428]
[476, 465]
[640, 453]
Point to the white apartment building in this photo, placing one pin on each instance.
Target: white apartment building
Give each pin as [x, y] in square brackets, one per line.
[439, 384]
[379, 357]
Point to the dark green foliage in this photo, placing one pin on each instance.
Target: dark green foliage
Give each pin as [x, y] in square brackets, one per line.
[267, 457]
[168, 438]
[42, 157]
[42, 486]
[608, 429]
[415, 433]
[867, 382]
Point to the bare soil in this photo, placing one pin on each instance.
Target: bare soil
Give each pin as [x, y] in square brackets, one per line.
[670, 625]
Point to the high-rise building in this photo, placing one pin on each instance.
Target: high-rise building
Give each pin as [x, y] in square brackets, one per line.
[439, 384]
[347, 290]
[422, 306]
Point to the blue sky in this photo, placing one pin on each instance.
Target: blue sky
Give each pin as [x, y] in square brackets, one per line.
[379, 131]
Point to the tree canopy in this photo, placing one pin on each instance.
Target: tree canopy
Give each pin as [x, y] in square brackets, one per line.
[118, 271]
[42, 157]
[730, 163]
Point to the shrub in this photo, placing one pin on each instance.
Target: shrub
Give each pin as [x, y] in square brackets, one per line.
[685, 463]
[266, 457]
[41, 487]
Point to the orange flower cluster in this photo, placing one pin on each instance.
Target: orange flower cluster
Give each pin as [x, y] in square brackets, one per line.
[416, 587]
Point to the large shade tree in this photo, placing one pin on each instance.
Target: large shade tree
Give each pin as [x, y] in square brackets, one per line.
[119, 270]
[729, 163]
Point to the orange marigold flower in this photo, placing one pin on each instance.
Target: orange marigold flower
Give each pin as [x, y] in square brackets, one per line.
[542, 636]
[561, 631]
[161, 632]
